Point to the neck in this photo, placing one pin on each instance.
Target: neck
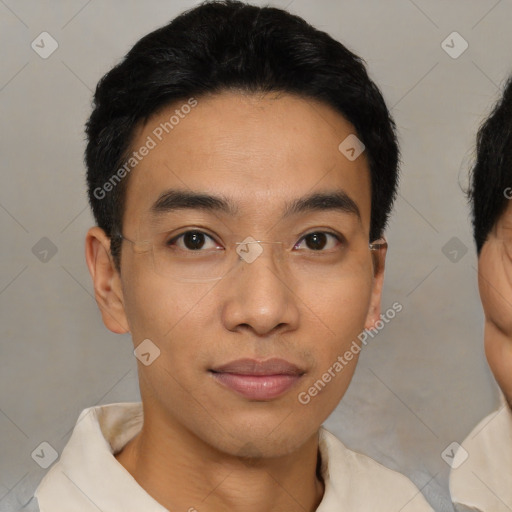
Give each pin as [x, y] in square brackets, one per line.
[182, 472]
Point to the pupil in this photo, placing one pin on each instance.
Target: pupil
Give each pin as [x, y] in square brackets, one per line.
[317, 240]
[193, 240]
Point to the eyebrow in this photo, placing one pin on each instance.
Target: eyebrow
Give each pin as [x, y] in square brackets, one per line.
[173, 200]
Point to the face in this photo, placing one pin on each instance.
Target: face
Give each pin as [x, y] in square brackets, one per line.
[237, 352]
[495, 284]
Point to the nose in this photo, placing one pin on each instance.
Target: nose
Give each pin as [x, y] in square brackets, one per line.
[258, 296]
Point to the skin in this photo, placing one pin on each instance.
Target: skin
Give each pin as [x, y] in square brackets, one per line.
[202, 445]
[495, 285]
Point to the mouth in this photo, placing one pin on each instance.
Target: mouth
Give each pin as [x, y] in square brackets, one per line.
[258, 380]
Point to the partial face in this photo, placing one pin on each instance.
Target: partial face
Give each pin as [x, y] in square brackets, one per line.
[495, 283]
[302, 300]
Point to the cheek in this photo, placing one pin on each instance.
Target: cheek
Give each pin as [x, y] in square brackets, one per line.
[496, 295]
[495, 285]
[498, 350]
[335, 317]
[158, 308]
[344, 304]
[175, 319]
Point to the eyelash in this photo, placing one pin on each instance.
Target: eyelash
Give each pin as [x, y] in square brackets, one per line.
[339, 238]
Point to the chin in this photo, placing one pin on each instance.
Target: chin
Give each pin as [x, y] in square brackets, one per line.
[260, 443]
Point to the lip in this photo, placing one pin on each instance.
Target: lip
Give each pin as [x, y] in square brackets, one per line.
[258, 380]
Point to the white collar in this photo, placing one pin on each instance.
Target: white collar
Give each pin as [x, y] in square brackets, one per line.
[483, 480]
[89, 475]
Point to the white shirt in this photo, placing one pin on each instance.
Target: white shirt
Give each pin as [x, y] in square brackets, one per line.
[88, 477]
[484, 480]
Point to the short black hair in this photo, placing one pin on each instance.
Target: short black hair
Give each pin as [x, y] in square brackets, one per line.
[491, 176]
[228, 45]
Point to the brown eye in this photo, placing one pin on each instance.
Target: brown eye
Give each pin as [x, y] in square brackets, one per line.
[193, 241]
[316, 241]
[319, 240]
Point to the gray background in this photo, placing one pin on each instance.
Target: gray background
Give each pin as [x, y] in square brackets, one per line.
[421, 384]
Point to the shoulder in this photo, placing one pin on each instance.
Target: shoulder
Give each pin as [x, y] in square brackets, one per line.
[87, 471]
[361, 483]
[482, 470]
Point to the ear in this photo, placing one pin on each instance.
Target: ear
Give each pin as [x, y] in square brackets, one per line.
[106, 279]
[379, 260]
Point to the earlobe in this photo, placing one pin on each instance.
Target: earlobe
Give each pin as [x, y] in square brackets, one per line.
[379, 260]
[106, 280]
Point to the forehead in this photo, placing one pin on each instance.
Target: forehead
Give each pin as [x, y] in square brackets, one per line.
[263, 152]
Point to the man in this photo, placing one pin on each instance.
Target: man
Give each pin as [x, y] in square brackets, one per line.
[483, 479]
[241, 169]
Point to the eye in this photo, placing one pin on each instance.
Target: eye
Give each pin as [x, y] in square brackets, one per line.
[193, 241]
[319, 240]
